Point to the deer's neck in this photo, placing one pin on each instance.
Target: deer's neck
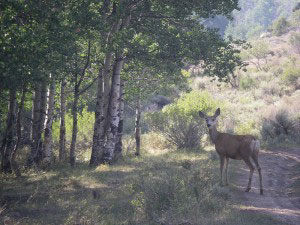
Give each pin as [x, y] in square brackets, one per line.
[213, 133]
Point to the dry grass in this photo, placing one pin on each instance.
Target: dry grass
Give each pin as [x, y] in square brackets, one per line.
[164, 188]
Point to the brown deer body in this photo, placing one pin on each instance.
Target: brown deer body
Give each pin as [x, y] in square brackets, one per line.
[239, 147]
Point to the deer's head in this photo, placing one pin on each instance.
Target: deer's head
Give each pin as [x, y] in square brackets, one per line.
[211, 121]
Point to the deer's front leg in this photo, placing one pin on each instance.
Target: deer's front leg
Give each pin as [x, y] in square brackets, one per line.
[222, 159]
[226, 170]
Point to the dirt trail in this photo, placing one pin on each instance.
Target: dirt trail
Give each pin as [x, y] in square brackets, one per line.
[277, 168]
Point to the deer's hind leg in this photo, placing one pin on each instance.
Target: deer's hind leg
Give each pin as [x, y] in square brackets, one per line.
[255, 159]
[251, 168]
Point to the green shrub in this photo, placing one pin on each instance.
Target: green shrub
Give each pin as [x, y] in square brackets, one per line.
[180, 123]
[295, 41]
[152, 141]
[280, 26]
[245, 127]
[291, 75]
[247, 82]
[283, 127]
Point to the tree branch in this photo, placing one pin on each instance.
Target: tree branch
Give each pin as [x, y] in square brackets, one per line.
[86, 64]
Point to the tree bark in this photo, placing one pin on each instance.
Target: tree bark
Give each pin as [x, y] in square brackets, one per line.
[9, 139]
[14, 165]
[119, 145]
[48, 129]
[102, 119]
[137, 126]
[36, 104]
[101, 111]
[98, 139]
[41, 125]
[37, 146]
[75, 124]
[113, 116]
[106, 89]
[35, 111]
[62, 135]
[113, 106]
[2, 134]
[1, 92]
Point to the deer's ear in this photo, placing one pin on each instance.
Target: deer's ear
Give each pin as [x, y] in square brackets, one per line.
[217, 113]
[201, 114]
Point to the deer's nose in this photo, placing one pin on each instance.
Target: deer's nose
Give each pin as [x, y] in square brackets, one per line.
[208, 125]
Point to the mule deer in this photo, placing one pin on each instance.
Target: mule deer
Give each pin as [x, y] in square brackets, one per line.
[239, 147]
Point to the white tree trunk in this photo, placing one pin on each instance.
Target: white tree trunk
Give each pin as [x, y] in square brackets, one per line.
[113, 112]
[106, 89]
[101, 111]
[48, 129]
[119, 145]
[102, 147]
[38, 124]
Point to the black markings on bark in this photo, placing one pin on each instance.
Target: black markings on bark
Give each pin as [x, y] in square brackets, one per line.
[120, 127]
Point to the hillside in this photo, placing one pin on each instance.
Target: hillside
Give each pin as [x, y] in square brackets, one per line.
[257, 17]
[267, 91]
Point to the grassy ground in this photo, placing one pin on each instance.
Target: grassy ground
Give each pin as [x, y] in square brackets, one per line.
[169, 187]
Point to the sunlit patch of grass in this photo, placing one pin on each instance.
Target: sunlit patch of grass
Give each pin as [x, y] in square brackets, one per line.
[102, 167]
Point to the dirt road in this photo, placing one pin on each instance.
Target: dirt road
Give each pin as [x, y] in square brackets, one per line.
[278, 169]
